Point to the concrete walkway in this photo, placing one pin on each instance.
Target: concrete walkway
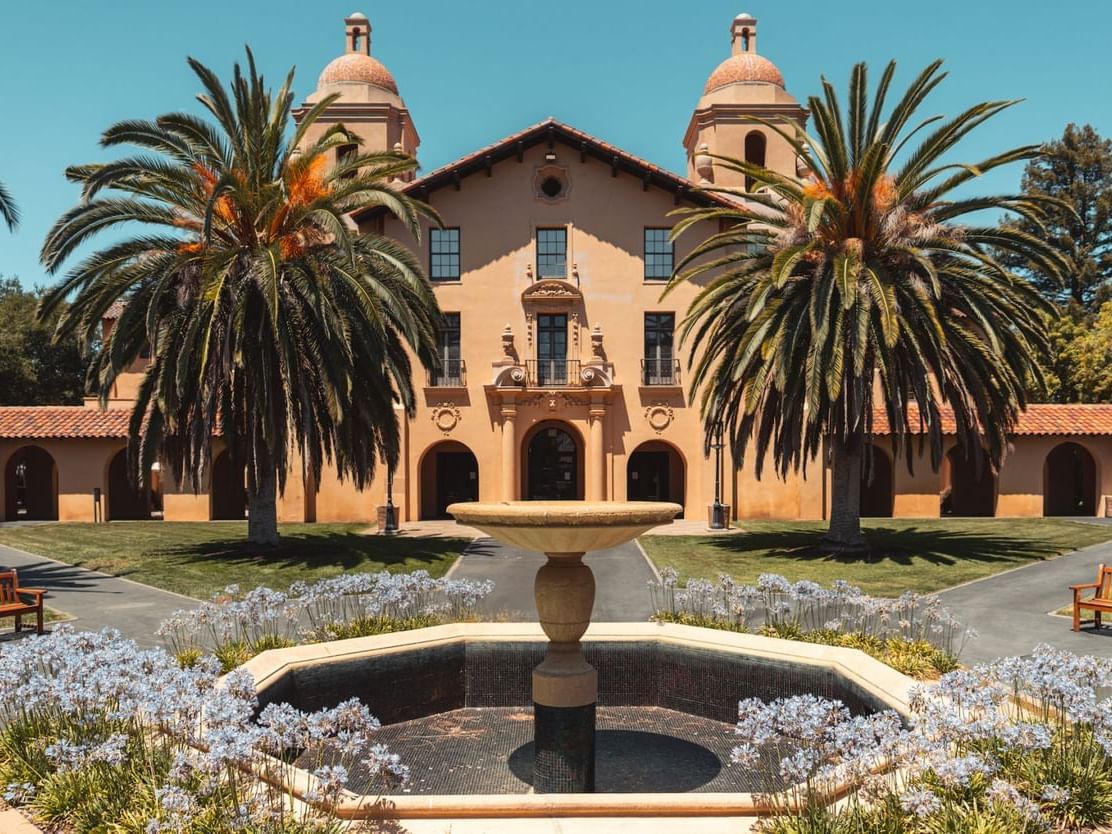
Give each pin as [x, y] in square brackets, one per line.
[621, 573]
[1010, 611]
[96, 600]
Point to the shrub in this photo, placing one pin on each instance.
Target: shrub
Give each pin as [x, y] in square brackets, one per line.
[98, 735]
[913, 633]
[1020, 745]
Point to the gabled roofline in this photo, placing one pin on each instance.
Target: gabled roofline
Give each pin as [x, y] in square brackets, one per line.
[551, 131]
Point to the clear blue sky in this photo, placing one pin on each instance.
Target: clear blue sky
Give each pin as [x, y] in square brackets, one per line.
[472, 71]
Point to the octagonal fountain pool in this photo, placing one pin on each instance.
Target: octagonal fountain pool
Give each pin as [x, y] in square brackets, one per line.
[455, 704]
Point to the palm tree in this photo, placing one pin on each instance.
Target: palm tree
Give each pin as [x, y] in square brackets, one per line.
[269, 322]
[9, 211]
[858, 288]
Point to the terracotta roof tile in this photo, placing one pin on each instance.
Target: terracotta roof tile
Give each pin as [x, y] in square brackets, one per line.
[1038, 419]
[744, 68]
[62, 421]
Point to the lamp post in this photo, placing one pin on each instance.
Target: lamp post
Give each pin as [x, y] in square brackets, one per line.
[390, 527]
[718, 509]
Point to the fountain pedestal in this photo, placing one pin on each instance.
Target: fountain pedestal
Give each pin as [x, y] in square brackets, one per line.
[565, 685]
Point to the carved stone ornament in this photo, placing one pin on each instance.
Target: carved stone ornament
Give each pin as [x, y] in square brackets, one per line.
[445, 417]
[508, 342]
[659, 416]
[596, 343]
[551, 289]
[551, 183]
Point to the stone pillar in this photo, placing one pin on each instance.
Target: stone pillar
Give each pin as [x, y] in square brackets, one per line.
[565, 685]
[596, 454]
[509, 454]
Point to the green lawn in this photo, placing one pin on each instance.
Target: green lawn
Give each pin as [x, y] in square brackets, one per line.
[907, 554]
[198, 559]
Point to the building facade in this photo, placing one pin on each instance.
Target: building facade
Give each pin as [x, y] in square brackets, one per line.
[561, 373]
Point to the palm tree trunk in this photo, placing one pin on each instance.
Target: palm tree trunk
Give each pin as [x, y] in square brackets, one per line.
[844, 533]
[262, 503]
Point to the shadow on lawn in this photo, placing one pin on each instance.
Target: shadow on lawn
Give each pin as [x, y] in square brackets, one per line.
[898, 545]
[347, 550]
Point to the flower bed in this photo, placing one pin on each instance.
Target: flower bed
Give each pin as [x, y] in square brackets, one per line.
[1020, 745]
[913, 633]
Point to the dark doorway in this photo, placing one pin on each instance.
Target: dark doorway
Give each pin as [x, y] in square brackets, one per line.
[1070, 481]
[229, 489]
[876, 485]
[125, 502]
[31, 486]
[968, 485]
[553, 466]
[552, 349]
[449, 473]
[655, 472]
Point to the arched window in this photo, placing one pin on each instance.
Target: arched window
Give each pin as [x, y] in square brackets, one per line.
[755, 145]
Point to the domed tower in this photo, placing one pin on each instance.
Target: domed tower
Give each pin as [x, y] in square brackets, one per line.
[744, 85]
[369, 105]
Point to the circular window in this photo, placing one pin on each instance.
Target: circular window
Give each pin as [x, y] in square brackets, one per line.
[551, 187]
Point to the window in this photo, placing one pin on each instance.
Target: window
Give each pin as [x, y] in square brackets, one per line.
[658, 254]
[754, 153]
[450, 374]
[659, 364]
[444, 254]
[344, 155]
[552, 253]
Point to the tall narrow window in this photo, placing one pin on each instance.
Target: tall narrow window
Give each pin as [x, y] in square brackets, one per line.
[754, 153]
[344, 155]
[659, 363]
[552, 349]
[659, 254]
[450, 374]
[552, 253]
[444, 254]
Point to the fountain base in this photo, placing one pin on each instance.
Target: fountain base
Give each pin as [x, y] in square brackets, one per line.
[563, 749]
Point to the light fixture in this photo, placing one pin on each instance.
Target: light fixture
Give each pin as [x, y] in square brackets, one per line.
[550, 156]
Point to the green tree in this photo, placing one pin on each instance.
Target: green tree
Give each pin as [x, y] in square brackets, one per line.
[34, 369]
[8, 209]
[1079, 367]
[268, 320]
[1077, 171]
[858, 288]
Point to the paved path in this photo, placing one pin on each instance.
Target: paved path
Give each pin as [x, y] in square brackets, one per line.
[1010, 610]
[621, 581]
[95, 599]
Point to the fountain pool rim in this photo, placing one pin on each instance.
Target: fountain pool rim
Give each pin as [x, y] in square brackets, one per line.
[888, 686]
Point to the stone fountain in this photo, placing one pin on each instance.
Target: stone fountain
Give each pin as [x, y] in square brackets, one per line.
[565, 685]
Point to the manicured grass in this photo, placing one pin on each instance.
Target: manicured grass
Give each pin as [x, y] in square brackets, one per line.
[906, 555]
[198, 559]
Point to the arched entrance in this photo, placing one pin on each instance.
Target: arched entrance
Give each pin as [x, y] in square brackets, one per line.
[876, 485]
[125, 502]
[31, 486]
[1069, 481]
[968, 489]
[228, 490]
[553, 464]
[655, 472]
[449, 473]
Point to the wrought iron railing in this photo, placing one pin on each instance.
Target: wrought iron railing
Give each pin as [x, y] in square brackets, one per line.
[553, 373]
[452, 373]
[660, 371]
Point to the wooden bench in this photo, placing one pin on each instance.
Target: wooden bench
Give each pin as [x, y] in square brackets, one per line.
[13, 600]
[1100, 601]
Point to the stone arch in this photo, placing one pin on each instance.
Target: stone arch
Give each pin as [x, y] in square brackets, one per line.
[967, 489]
[877, 484]
[125, 502]
[31, 485]
[1070, 481]
[656, 471]
[552, 461]
[227, 489]
[449, 472]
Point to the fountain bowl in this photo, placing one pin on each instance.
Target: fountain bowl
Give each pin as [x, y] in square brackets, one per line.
[564, 526]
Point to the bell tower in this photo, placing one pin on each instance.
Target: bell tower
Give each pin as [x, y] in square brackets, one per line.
[745, 85]
[369, 104]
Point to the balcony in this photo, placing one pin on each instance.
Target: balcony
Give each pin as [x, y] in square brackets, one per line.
[552, 373]
[452, 373]
[660, 372]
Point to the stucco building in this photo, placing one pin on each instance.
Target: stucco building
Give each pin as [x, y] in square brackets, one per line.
[561, 373]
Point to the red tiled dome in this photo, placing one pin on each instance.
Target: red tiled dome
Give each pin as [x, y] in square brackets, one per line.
[357, 67]
[744, 68]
